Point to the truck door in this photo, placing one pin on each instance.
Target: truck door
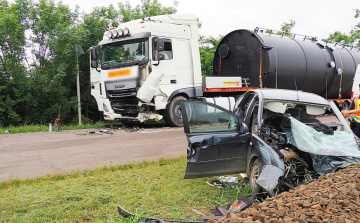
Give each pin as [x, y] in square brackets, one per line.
[95, 79]
[217, 142]
[167, 65]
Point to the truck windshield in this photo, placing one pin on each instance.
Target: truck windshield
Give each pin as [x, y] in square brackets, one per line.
[122, 54]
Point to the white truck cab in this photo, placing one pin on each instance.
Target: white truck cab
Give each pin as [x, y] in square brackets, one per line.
[143, 68]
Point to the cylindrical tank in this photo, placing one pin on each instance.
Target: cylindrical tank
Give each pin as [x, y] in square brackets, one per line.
[283, 62]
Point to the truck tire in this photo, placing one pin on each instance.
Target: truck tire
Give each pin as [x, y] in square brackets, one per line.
[172, 114]
[345, 106]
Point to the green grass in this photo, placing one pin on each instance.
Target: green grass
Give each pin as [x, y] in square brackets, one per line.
[45, 128]
[152, 189]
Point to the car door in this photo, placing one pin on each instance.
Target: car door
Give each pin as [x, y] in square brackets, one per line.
[217, 140]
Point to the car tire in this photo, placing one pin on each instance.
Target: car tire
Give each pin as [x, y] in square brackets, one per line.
[173, 115]
[255, 172]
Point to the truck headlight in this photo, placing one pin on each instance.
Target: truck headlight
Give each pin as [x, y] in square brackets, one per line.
[114, 34]
[120, 32]
[109, 34]
[126, 32]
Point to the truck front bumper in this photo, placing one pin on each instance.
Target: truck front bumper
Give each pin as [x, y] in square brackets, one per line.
[142, 117]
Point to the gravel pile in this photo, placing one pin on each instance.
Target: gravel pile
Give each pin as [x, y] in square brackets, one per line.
[334, 197]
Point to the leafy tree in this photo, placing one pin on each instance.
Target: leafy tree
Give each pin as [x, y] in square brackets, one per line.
[12, 75]
[145, 9]
[38, 56]
[352, 38]
[52, 82]
[285, 28]
[208, 47]
[341, 37]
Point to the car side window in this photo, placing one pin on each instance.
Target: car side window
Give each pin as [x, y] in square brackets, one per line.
[204, 118]
[168, 53]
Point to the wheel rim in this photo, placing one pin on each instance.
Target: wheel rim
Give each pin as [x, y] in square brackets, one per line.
[345, 106]
[177, 112]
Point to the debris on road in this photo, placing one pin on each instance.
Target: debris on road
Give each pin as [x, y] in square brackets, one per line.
[334, 197]
[119, 127]
[133, 129]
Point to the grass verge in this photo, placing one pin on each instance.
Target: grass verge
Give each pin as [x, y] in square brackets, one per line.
[152, 189]
[45, 128]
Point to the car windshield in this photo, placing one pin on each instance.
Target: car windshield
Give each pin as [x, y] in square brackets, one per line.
[304, 112]
[125, 53]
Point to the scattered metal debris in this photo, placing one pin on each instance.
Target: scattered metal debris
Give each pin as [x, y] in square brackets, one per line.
[133, 129]
[240, 204]
[111, 129]
[119, 127]
[126, 214]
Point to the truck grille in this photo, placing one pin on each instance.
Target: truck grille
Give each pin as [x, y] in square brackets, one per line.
[121, 93]
[126, 106]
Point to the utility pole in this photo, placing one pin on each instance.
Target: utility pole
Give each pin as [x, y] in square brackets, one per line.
[79, 50]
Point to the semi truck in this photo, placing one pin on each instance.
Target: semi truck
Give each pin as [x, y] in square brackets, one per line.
[142, 69]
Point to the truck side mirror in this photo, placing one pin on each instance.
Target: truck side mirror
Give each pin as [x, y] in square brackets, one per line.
[161, 56]
[160, 45]
[94, 64]
[93, 54]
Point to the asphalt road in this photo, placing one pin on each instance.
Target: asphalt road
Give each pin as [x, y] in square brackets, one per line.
[29, 155]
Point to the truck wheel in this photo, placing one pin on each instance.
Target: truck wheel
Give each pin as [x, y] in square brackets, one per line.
[256, 169]
[345, 106]
[173, 115]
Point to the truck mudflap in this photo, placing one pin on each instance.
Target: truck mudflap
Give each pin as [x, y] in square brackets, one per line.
[269, 178]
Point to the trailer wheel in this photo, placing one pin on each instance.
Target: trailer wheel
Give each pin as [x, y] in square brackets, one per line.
[345, 106]
[256, 169]
[173, 115]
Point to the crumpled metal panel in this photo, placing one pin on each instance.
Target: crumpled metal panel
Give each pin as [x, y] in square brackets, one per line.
[269, 178]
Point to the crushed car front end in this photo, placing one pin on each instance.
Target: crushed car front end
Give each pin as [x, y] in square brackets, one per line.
[294, 138]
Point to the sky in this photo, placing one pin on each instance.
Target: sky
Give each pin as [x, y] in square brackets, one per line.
[317, 18]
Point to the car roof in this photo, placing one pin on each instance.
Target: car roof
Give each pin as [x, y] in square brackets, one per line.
[291, 95]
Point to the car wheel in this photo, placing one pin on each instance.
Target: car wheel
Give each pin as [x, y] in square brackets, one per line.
[256, 169]
[173, 115]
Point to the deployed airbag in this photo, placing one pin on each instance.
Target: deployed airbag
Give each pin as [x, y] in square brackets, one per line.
[309, 140]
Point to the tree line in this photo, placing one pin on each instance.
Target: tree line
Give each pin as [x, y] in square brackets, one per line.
[39, 55]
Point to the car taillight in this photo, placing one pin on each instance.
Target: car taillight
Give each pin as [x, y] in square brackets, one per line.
[352, 95]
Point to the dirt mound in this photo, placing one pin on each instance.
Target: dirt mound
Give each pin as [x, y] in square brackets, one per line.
[334, 197]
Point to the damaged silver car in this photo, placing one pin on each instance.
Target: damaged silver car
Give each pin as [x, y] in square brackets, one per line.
[279, 138]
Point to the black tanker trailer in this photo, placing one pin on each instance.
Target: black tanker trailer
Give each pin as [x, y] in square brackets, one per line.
[280, 61]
